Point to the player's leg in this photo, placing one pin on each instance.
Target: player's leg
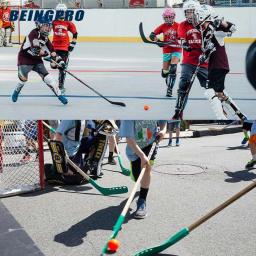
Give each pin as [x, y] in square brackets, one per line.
[185, 78]
[23, 71]
[7, 37]
[111, 145]
[170, 130]
[50, 82]
[247, 125]
[177, 127]
[62, 74]
[215, 86]
[252, 144]
[175, 58]
[141, 211]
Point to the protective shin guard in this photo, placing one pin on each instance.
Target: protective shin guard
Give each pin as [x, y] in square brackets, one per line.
[7, 37]
[173, 69]
[51, 83]
[215, 104]
[62, 76]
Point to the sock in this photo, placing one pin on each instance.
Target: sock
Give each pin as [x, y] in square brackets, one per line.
[111, 154]
[143, 193]
[170, 141]
[177, 140]
[254, 157]
[246, 135]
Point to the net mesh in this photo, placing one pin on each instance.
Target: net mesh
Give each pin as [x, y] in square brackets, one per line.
[19, 157]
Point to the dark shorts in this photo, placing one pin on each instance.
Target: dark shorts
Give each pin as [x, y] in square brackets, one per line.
[216, 79]
[247, 125]
[187, 71]
[63, 54]
[173, 125]
[38, 68]
[136, 165]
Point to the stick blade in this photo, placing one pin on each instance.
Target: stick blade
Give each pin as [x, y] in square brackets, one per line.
[113, 190]
[122, 104]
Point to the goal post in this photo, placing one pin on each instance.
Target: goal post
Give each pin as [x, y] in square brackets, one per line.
[21, 157]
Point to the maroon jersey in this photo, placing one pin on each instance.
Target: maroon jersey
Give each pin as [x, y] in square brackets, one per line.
[33, 40]
[218, 59]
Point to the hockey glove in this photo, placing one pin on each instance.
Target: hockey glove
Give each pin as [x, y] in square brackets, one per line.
[202, 58]
[72, 46]
[216, 23]
[186, 46]
[152, 36]
[34, 51]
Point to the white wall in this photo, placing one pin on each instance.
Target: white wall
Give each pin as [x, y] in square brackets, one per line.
[125, 22]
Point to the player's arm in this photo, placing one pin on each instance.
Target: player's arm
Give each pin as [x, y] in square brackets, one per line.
[225, 26]
[72, 29]
[162, 132]
[153, 35]
[34, 49]
[183, 38]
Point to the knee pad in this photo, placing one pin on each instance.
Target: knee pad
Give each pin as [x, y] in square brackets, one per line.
[22, 78]
[53, 65]
[173, 69]
[164, 73]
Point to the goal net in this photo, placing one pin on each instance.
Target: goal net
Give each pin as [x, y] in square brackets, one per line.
[21, 156]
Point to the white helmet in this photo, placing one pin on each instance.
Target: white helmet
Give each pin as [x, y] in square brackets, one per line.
[202, 14]
[61, 7]
[189, 7]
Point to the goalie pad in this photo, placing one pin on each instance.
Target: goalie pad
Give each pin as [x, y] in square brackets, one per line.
[215, 104]
[58, 156]
[97, 153]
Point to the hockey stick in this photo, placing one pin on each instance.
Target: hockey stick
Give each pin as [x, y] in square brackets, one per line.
[187, 230]
[121, 217]
[88, 86]
[102, 190]
[125, 171]
[226, 126]
[159, 43]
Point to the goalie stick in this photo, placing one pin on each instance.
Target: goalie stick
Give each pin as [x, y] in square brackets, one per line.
[60, 166]
[88, 86]
[121, 217]
[187, 230]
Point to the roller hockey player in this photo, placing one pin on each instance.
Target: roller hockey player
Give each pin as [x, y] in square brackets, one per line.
[171, 55]
[35, 46]
[214, 31]
[61, 41]
[6, 26]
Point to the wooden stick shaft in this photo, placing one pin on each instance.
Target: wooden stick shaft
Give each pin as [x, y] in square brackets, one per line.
[222, 206]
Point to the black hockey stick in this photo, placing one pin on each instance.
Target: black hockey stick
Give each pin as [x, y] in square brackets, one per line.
[159, 43]
[88, 86]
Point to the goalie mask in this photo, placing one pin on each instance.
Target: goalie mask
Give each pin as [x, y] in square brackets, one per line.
[189, 7]
[169, 16]
[62, 8]
[44, 26]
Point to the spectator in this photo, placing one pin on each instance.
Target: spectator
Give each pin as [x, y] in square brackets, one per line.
[31, 5]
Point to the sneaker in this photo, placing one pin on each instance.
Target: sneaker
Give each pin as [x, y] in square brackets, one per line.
[25, 159]
[250, 164]
[15, 96]
[111, 161]
[177, 143]
[169, 92]
[63, 99]
[141, 211]
[244, 141]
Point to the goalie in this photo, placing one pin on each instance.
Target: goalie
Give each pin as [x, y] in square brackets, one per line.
[86, 152]
[6, 26]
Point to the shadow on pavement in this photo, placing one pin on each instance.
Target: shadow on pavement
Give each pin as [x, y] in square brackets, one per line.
[238, 147]
[101, 220]
[244, 175]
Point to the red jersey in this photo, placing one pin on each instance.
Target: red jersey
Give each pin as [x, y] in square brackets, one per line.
[191, 35]
[5, 17]
[60, 34]
[170, 32]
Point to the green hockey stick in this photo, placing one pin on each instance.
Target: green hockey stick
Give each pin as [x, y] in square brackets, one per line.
[124, 170]
[121, 217]
[185, 231]
[104, 191]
